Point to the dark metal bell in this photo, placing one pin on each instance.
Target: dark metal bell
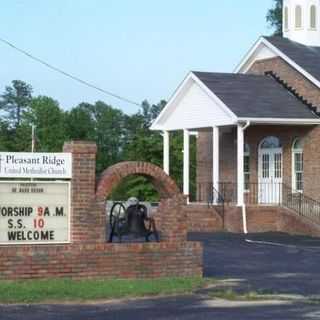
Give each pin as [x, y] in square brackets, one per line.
[136, 216]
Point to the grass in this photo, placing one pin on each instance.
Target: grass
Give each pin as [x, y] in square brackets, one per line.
[62, 290]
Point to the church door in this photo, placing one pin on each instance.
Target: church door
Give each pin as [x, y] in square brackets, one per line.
[270, 171]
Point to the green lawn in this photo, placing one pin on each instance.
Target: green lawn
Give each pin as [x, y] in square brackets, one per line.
[57, 290]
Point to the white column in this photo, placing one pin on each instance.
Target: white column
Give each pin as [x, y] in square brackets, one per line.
[166, 152]
[240, 178]
[215, 160]
[186, 162]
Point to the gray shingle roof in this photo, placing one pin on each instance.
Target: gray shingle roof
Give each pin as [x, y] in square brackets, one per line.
[306, 57]
[255, 96]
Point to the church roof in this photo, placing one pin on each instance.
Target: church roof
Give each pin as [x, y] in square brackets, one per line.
[255, 96]
[306, 57]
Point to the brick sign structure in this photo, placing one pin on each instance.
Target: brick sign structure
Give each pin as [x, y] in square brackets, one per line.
[88, 254]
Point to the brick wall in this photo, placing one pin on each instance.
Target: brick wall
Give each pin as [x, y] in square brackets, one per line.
[259, 219]
[253, 136]
[203, 219]
[312, 136]
[102, 261]
[227, 156]
[311, 163]
[204, 163]
[265, 219]
[287, 134]
[87, 220]
[89, 256]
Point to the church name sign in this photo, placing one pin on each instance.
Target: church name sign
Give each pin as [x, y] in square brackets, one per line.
[34, 213]
[35, 165]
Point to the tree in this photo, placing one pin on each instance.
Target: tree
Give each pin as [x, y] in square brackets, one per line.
[79, 123]
[6, 136]
[109, 134]
[15, 101]
[140, 144]
[274, 17]
[49, 121]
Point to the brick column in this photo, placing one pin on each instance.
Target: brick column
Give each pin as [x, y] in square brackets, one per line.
[204, 164]
[87, 217]
[173, 219]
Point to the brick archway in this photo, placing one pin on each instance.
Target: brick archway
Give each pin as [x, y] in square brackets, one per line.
[172, 219]
[113, 175]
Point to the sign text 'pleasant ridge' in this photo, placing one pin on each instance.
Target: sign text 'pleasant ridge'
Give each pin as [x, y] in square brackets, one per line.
[35, 165]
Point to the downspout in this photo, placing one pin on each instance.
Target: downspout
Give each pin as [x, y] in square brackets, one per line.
[244, 211]
[248, 123]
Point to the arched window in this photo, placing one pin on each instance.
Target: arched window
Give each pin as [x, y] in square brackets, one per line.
[297, 165]
[313, 17]
[298, 17]
[286, 18]
[246, 167]
[270, 143]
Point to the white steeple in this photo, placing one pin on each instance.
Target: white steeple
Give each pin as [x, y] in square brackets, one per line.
[301, 21]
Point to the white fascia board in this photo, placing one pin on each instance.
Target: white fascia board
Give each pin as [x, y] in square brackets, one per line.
[154, 125]
[281, 121]
[279, 53]
[209, 125]
[192, 76]
[245, 59]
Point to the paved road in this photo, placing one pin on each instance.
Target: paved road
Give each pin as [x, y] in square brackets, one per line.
[292, 267]
[186, 308]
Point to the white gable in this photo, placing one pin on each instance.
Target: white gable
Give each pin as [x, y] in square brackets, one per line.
[260, 52]
[263, 49]
[193, 107]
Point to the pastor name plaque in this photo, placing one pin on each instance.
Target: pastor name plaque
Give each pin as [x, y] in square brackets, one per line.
[34, 213]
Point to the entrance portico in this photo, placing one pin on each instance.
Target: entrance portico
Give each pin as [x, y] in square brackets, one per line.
[220, 103]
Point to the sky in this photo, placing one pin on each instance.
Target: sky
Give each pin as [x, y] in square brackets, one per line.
[138, 49]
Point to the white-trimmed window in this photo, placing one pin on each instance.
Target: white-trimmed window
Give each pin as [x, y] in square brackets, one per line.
[246, 167]
[298, 17]
[270, 143]
[297, 165]
[286, 18]
[313, 17]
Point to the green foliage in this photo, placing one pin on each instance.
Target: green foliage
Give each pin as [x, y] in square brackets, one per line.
[49, 121]
[109, 134]
[79, 123]
[140, 144]
[135, 186]
[15, 101]
[274, 17]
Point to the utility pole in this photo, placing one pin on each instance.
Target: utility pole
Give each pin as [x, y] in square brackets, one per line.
[33, 139]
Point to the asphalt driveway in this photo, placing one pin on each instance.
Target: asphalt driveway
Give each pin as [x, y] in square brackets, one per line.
[272, 263]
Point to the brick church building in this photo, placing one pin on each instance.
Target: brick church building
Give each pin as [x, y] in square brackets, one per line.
[258, 129]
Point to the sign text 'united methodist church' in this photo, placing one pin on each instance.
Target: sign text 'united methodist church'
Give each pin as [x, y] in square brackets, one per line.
[35, 165]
